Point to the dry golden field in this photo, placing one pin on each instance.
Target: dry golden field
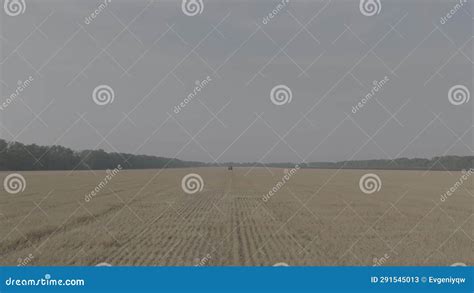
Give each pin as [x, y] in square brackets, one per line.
[318, 217]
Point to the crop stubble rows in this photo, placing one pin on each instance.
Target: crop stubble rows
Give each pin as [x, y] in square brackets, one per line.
[319, 217]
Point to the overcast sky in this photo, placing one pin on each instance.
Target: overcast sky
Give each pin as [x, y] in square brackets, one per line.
[328, 53]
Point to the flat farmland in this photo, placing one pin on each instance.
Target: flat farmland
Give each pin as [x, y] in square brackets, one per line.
[315, 218]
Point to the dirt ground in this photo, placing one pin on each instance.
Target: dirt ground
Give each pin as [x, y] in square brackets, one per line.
[316, 218]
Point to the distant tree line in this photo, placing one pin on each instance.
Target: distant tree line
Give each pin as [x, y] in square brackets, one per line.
[18, 156]
[451, 163]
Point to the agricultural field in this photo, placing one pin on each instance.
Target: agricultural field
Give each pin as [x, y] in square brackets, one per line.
[314, 218]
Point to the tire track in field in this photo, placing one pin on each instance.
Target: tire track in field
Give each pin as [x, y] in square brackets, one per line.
[164, 233]
[260, 237]
[200, 244]
[189, 233]
[245, 221]
[189, 230]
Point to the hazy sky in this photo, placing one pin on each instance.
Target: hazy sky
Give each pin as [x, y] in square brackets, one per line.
[328, 53]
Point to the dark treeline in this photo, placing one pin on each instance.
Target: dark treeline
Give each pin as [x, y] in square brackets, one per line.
[451, 163]
[18, 156]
